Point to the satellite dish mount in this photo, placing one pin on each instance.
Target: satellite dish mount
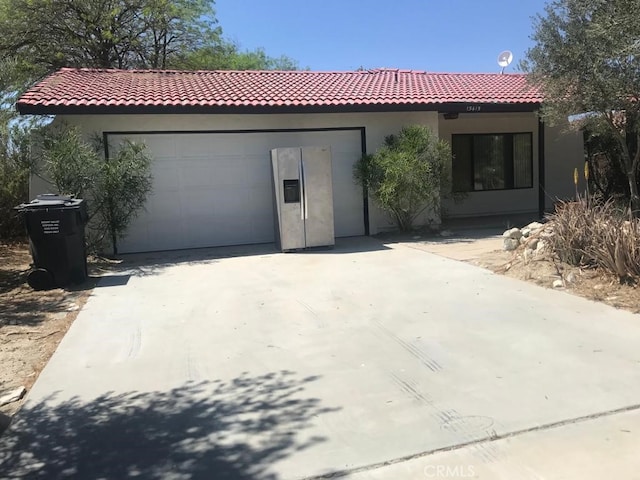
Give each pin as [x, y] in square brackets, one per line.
[504, 59]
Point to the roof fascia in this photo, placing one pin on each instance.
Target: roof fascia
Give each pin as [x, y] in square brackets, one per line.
[454, 107]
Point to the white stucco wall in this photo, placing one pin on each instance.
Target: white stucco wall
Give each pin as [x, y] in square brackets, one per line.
[498, 201]
[377, 127]
[564, 151]
[563, 148]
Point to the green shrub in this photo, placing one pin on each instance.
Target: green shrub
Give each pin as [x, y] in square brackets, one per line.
[72, 164]
[121, 189]
[407, 175]
[115, 189]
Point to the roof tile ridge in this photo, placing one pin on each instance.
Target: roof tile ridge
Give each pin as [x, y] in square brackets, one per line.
[92, 69]
[292, 72]
[479, 74]
[227, 72]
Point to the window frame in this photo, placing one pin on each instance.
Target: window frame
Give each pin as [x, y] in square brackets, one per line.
[473, 163]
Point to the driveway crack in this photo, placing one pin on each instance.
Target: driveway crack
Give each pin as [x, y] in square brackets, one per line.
[493, 437]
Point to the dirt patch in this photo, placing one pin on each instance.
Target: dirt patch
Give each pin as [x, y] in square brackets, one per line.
[32, 323]
[589, 283]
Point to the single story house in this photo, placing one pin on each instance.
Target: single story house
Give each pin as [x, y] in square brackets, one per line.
[210, 134]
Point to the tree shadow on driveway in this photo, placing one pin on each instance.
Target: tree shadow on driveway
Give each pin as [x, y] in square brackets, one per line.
[221, 430]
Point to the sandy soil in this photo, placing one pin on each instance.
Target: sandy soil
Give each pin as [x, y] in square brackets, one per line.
[32, 323]
[589, 283]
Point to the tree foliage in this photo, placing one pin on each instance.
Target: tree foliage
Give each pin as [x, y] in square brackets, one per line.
[408, 174]
[49, 34]
[15, 155]
[15, 164]
[104, 33]
[586, 59]
[171, 29]
[116, 189]
[607, 179]
[41, 36]
[229, 56]
[69, 162]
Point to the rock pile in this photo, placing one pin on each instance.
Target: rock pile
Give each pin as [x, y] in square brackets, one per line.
[533, 243]
[532, 238]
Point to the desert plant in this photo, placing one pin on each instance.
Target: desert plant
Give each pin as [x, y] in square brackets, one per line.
[407, 175]
[122, 188]
[571, 237]
[618, 249]
[115, 189]
[72, 164]
[597, 234]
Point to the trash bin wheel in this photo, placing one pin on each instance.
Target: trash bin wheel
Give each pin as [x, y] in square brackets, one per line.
[40, 279]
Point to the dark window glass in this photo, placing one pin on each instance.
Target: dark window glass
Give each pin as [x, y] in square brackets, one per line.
[522, 161]
[462, 163]
[492, 162]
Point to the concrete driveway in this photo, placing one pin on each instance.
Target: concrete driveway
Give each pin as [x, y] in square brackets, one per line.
[367, 361]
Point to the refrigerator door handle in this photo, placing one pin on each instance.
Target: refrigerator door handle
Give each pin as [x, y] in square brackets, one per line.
[305, 212]
[302, 190]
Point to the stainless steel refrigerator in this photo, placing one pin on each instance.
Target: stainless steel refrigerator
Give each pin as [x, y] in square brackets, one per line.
[303, 195]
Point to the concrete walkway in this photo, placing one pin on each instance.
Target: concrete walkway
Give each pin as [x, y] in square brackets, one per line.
[466, 245]
[366, 361]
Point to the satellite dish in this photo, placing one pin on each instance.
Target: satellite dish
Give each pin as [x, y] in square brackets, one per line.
[504, 59]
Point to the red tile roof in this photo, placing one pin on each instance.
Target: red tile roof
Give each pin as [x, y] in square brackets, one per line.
[105, 90]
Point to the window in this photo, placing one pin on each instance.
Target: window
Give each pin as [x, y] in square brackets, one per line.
[492, 161]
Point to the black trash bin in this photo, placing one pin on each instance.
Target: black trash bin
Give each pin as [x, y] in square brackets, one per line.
[55, 225]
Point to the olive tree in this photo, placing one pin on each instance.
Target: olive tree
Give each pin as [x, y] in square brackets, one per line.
[586, 60]
[408, 175]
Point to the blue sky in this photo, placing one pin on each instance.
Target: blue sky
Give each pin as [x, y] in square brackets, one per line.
[434, 35]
